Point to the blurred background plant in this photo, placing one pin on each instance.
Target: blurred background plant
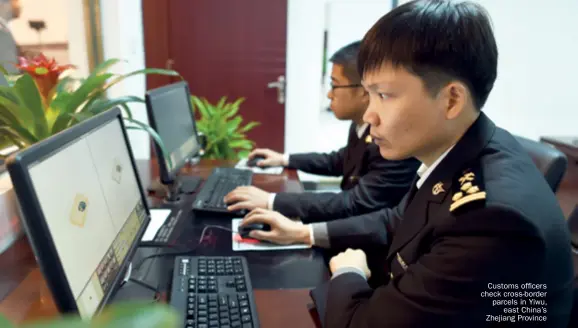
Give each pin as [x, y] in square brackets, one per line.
[43, 99]
[122, 315]
[226, 137]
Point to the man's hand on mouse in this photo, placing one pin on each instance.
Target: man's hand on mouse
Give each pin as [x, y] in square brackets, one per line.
[271, 158]
[283, 230]
[246, 198]
[351, 258]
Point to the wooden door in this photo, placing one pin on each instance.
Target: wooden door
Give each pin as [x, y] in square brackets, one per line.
[232, 48]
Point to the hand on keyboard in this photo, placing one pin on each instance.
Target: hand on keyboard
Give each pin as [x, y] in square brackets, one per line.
[283, 230]
[246, 198]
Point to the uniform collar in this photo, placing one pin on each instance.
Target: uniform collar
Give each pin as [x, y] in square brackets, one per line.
[439, 181]
[424, 171]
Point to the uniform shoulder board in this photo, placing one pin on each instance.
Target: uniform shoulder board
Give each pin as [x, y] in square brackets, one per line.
[468, 189]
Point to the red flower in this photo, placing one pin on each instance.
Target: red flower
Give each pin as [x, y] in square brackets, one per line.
[45, 72]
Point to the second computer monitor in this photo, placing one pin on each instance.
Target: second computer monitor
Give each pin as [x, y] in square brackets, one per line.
[170, 114]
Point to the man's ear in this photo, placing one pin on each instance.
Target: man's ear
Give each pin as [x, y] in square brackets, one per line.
[455, 98]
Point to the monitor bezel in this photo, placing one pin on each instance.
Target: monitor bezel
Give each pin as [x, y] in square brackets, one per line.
[33, 218]
[169, 176]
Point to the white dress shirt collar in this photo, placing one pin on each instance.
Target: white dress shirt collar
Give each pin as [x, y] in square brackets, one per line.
[360, 129]
[424, 171]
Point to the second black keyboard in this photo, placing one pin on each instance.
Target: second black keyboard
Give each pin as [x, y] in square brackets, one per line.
[218, 184]
[213, 292]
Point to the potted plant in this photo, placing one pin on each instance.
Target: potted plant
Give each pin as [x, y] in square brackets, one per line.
[43, 101]
[133, 314]
[222, 127]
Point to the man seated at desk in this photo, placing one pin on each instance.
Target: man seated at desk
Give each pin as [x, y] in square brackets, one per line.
[369, 181]
[480, 219]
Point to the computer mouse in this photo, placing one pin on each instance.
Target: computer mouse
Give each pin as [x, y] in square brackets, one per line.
[246, 229]
[253, 161]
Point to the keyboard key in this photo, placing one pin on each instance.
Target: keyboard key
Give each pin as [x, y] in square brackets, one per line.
[190, 322]
[202, 325]
[202, 307]
[224, 321]
[244, 303]
[235, 324]
[212, 297]
[234, 311]
[202, 299]
[202, 320]
[233, 303]
[242, 297]
[213, 310]
[213, 324]
[246, 318]
[223, 300]
[241, 288]
[202, 314]
[247, 325]
[245, 311]
[191, 313]
[235, 317]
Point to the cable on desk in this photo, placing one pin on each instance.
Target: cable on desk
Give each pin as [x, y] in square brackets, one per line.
[144, 284]
[184, 252]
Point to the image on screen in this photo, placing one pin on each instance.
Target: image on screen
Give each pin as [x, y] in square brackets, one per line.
[90, 198]
[174, 123]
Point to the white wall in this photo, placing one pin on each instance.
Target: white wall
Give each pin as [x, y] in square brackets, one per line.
[305, 23]
[307, 127]
[76, 37]
[535, 93]
[122, 30]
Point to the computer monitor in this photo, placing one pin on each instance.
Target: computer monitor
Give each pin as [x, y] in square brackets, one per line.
[170, 114]
[84, 209]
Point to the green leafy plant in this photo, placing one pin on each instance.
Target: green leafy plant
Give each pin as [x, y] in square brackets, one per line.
[142, 315]
[222, 126]
[43, 101]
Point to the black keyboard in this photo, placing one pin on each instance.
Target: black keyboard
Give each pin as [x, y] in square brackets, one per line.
[218, 184]
[213, 292]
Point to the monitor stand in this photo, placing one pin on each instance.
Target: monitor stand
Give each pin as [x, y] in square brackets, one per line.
[132, 289]
[183, 184]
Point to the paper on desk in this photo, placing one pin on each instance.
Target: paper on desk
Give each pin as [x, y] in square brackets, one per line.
[242, 165]
[259, 246]
[158, 217]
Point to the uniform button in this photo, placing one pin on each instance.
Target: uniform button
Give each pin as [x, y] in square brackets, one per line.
[391, 275]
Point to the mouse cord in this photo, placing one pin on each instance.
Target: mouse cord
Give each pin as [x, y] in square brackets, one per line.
[187, 251]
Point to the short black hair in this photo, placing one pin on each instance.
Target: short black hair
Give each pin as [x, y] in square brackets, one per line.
[437, 40]
[347, 57]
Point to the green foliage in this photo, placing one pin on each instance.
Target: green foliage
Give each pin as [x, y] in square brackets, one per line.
[142, 315]
[222, 126]
[26, 118]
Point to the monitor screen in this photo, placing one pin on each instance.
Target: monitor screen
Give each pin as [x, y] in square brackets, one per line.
[93, 209]
[170, 114]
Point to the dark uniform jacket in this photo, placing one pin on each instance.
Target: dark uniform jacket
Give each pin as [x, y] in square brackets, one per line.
[485, 220]
[369, 181]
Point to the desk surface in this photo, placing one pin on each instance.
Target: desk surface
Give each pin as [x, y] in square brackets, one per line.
[24, 295]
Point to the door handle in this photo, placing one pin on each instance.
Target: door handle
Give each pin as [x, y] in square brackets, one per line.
[280, 86]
